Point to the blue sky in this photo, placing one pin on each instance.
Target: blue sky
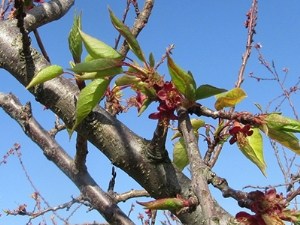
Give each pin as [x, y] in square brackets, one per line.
[209, 39]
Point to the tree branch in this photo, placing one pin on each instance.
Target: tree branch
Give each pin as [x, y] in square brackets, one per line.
[46, 13]
[199, 171]
[54, 152]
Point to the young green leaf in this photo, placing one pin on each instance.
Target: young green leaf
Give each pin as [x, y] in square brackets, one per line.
[229, 98]
[196, 124]
[126, 33]
[98, 49]
[100, 74]
[165, 204]
[206, 90]
[88, 98]
[252, 148]
[74, 39]
[278, 122]
[127, 80]
[97, 65]
[144, 106]
[45, 74]
[151, 60]
[183, 81]
[287, 139]
[180, 157]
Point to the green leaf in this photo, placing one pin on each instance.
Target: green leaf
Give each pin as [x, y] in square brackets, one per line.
[252, 148]
[180, 156]
[145, 89]
[287, 139]
[126, 33]
[74, 39]
[206, 90]
[98, 65]
[151, 60]
[45, 74]
[278, 122]
[281, 129]
[164, 204]
[229, 98]
[196, 124]
[98, 49]
[183, 81]
[100, 74]
[144, 106]
[127, 80]
[88, 98]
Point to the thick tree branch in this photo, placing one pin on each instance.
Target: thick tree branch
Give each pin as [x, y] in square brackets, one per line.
[46, 13]
[54, 152]
[199, 170]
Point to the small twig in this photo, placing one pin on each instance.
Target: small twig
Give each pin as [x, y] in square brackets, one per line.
[41, 45]
[153, 216]
[22, 210]
[136, 7]
[123, 20]
[130, 194]
[57, 127]
[33, 185]
[250, 24]
[168, 52]
[242, 117]
[4, 7]
[139, 23]
[112, 181]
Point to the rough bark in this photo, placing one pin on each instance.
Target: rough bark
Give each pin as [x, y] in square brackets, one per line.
[121, 146]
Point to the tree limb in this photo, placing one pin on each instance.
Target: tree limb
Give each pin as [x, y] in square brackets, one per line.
[54, 152]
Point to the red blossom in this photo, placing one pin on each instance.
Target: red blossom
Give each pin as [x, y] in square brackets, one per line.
[268, 206]
[245, 130]
[169, 99]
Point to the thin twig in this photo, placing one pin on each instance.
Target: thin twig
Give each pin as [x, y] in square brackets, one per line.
[34, 187]
[136, 7]
[139, 23]
[131, 194]
[41, 45]
[168, 52]
[250, 24]
[112, 181]
[123, 20]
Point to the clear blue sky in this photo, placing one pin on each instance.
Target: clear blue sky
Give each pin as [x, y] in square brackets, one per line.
[209, 37]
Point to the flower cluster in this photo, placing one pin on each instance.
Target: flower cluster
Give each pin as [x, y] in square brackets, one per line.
[169, 99]
[269, 208]
[113, 98]
[237, 129]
